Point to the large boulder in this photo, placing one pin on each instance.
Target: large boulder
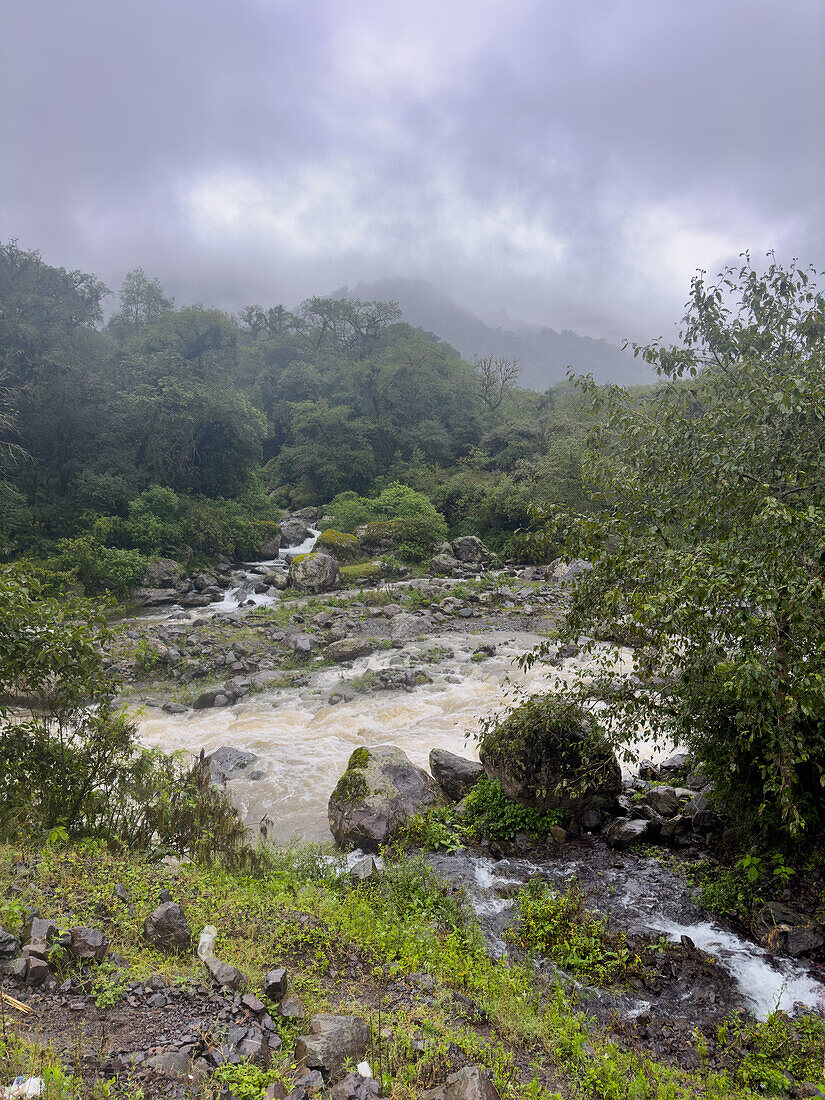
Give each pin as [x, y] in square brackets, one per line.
[344, 548]
[293, 532]
[314, 572]
[471, 550]
[332, 1041]
[348, 649]
[377, 537]
[162, 573]
[455, 775]
[780, 928]
[551, 754]
[377, 795]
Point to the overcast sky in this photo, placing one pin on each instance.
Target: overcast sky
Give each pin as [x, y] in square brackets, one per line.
[570, 162]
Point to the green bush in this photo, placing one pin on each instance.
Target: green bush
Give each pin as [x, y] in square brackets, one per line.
[102, 568]
[489, 813]
[399, 515]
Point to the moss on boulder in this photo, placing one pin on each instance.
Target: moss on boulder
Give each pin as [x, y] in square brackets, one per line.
[344, 548]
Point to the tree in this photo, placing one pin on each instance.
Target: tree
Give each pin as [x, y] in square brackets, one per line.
[709, 543]
[141, 300]
[497, 375]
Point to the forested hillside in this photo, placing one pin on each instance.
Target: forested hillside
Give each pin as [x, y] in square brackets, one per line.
[181, 429]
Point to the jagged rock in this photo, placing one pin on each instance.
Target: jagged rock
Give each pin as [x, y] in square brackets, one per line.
[363, 869]
[275, 984]
[377, 795]
[662, 800]
[174, 1063]
[356, 1087]
[314, 572]
[251, 1003]
[9, 945]
[37, 972]
[552, 755]
[226, 975]
[228, 763]
[443, 563]
[780, 928]
[678, 826]
[88, 943]
[168, 928]
[405, 627]
[162, 573]
[268, 550]
[469, 1083]
[175, 708]
[331, 1041]
[43, 929]
[348, 649]
[470, 549]
[301, 644]
[624, 832]
[455, 775]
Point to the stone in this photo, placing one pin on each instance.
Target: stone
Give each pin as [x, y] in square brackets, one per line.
[227, 976]
[348, 649]
[469, 1083]
[455, 775]
[405, 627]
[344, 548]
[377, 795]
[292, 1007]
[88, 943]
[443, 563]
[331, 1041]
[677, 826]
[38, 971]
[228, 763]
[780, 928]
[470, 548]
[43, 929]
[553, 756]
[364, 868]
[173, 1063]
[275, 984]
[175, 708]
[627, 831]
[168, 928]
[252, 1003]
[162, 573]
[212, 697]
[20, 968]
[270, 545]
[301, 644]
[9, 945]
[314, 573]
[662, 800]
[356, 1087]
[293, 532]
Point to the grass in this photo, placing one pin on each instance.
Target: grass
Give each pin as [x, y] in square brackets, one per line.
[301, 910]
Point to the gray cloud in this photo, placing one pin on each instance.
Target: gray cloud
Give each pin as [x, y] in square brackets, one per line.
[572, 164]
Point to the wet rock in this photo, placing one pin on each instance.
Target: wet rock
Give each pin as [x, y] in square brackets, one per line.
[377, 795]
[168, 928]
[19, 969]
[624, 832]
[552, 756]
[331, 1041]
[162, 573]
[675, 827]
[42, 929]
[229, 763]
[293, 532]
[314, 573]
[9, 945]
[226, 975]
[470, 1083]
[780, 928]
[175, 708]
[470, 549]
[365, 868]
[662, 800]
[37, 972]
[275, 984]
[88, 943]
[444, 563]
[252, 1003]
[455, 775]
[348, 649]
[214, 697]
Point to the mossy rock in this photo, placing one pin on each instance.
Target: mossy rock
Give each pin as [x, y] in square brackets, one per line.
[314, 572]
[377, 796]
[344, 548]
[364, 571]
[381, 535]
[552, 754]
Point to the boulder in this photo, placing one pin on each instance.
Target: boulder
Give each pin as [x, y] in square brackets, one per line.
[314, 572]
[344, 548]
[356, 1087]
[212, 697]
[780, 928]
[270, 545]
[363, 869]
[348, 649]
[552, 754]
[293, 532]
[162, 573]
[469, 1083]
[88, 943]
[377, 795]
[377, 537]
[627, 831]
[228, 763]
[275, 984]
[332, 1040]
[471, 550]
[443, 563]
[664, 801]
[168, 928]
[455, 775]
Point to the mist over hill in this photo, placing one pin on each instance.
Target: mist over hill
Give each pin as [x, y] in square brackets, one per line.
[544, 354]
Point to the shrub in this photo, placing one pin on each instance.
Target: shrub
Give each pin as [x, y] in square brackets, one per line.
[489, 813]
[102, 568]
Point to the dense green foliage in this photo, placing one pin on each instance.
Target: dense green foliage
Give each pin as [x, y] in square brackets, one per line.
[710, 544]
[400, 518]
